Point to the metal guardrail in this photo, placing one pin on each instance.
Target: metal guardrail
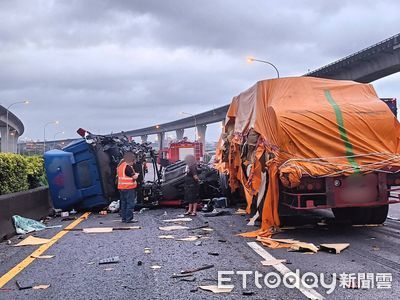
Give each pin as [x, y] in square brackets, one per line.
[385, 44]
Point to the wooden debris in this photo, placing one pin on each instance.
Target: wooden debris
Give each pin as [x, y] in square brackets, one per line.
[32, 241]
[334, 248]
[178, 220]
[272, 262]
[215, 289]
[173, 227]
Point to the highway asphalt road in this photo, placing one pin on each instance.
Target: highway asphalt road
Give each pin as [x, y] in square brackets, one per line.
[74, 272]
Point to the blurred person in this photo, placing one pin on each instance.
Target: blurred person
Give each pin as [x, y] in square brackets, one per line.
[191, 185]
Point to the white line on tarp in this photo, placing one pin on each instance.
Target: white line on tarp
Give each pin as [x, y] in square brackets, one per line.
[281, 268]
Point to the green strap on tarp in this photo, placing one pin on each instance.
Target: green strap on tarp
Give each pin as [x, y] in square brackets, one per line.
[343, 133]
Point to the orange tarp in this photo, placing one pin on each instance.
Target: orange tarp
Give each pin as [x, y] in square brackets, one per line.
[312, 126]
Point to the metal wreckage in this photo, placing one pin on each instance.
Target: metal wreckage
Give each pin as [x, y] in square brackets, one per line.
[83, 174]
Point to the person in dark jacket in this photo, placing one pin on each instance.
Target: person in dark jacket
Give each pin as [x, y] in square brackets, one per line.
[191, 185]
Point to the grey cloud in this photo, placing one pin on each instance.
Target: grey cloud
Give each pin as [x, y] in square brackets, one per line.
[119, 65]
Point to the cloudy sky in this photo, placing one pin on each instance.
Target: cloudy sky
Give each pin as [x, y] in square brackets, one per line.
[109, 65]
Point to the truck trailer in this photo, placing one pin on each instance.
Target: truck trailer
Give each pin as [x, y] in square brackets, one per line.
[308, 143]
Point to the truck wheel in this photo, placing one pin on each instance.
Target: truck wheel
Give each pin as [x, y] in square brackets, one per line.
[356, 215]
[379, 214]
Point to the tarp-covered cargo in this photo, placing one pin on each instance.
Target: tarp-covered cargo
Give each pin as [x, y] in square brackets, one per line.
[300, 126]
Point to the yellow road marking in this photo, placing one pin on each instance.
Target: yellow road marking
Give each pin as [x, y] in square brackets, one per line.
[39, 251]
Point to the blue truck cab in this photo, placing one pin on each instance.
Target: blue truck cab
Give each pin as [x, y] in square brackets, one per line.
[75, 179]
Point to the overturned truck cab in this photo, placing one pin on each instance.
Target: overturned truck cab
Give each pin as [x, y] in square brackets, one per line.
[310, 143]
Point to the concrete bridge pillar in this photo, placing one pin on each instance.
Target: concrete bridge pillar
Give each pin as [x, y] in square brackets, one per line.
[201, 134]
[161, 137]
[144, 138]
[179, 134]
[12, 140]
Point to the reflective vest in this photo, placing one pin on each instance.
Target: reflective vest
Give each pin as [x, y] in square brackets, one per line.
[125, 182]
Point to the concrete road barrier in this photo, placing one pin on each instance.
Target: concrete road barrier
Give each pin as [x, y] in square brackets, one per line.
[34, 204]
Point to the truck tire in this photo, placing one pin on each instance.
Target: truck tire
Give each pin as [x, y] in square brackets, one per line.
[379, 214]
[356, 215]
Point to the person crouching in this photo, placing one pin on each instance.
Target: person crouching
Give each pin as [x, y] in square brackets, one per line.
[127, 187]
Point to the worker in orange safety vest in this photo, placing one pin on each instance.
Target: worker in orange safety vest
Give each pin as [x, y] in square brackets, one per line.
[127, 187]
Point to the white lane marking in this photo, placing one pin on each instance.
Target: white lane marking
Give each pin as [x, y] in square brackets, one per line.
[281, 268]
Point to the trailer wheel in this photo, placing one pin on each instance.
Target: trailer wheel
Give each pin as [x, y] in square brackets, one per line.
[356, 215]
[379, 214]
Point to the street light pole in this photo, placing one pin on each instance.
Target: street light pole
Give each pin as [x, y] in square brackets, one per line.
[251, 59]
[44, 133]
[8, 109]
[195, 123]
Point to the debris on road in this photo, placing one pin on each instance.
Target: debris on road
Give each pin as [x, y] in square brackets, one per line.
[189, 238]
[155, 267]
[198, 243]
[200, 227]
[41, 287]
[197, 269]
[248, 293]
[108, 269]
[240, 211]
[215, 289]
[98, 230]
[103, 229]
[213, 253]
[139, 263]
[24, 225]
[147, 250]
[272, 262]
[42, 256]
[217, 213]
[103, 213]
[207, 229]
[292, 244]
[32, 241]
[113, 207]
[303, 247]
[181, 275]
[375, 248]
[178, 220]
[68, 219]
[222, 241]
[334, 248]
[64, 214]
[35, 287]
[109, 260]
[167, 237]
[189, 279]
[22, 286]
[172, 227]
